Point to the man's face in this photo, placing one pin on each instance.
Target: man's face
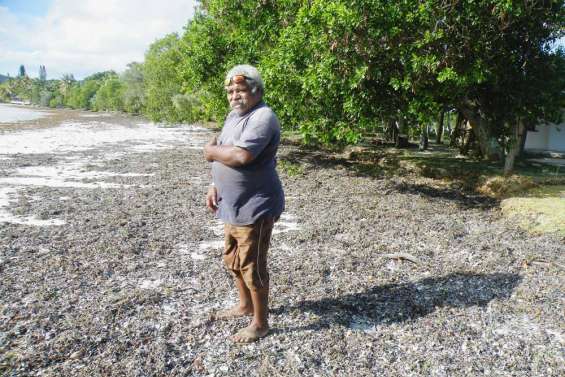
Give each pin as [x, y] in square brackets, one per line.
[240, 97]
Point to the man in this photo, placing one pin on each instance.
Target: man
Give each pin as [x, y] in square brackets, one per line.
[246, 194]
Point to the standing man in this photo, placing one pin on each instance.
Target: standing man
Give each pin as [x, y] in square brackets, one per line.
[246, 194]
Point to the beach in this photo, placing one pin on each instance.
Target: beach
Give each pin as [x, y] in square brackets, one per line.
[111, 265]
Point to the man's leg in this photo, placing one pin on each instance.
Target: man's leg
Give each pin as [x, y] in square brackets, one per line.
[241, 309]
[257, 281]
[245, 305]
[259, 326]
[246, 257]
[260, 298]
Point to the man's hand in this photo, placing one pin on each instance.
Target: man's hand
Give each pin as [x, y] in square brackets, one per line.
[212, 199]
[208, 150]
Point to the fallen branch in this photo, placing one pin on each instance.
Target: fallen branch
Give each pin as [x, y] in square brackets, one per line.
[540, 262]
[403, 256]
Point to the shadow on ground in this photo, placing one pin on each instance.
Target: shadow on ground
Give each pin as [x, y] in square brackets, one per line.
[381, 164]
[394, 303]
[463, 199]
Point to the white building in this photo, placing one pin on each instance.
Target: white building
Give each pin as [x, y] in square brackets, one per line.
[546, 138]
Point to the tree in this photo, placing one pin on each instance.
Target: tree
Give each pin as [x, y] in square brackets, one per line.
[35, 92]
[45, 97]
[162, 81]
[65, 85]
[109, 96]
[82, 94]
[490, 60]
[204, 49]
[42, 73]
[134, 88]
[21, 88]
[439, 128]
[22, 71]
[5, 94]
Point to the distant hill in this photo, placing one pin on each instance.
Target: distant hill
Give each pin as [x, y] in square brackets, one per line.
[3, 78]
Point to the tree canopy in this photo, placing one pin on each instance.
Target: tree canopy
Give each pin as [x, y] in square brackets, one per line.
[336, 69]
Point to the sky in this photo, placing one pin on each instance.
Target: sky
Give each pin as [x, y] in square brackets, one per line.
[83, 37]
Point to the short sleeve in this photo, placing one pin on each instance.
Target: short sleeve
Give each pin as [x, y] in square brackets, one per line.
[258, 132]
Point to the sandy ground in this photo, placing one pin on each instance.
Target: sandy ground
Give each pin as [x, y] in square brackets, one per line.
[110, 266]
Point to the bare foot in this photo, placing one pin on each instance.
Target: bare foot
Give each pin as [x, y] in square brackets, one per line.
[249, 334]
[231, 313]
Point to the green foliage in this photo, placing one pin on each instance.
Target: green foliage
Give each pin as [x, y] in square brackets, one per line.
[82, 95]
[45, 97]
[292, 169]
[133, 88]
[109, 96]
[35, 92]
[188, 107]
[19, 88]
[162, 81]
[65, 85]
[56, 101]
[4, 93]
[336, 69]
[204, 49]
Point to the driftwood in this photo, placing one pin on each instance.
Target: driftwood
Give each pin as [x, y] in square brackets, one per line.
[403, 256]
[540, 262]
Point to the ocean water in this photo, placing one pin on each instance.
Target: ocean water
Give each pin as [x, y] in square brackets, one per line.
[70, 142]
[16, 113]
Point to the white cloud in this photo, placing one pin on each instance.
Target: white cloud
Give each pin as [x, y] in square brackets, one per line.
[87, 36]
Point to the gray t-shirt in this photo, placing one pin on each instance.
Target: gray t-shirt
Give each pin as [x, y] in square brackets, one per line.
[249, 192]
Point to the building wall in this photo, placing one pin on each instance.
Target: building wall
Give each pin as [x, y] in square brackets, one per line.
[556, 138]
[549, 137]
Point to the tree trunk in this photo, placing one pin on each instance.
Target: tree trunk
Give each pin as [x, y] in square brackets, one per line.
[394, 132]
[523, 141]
[424, 140]
[468, 139]
[447, 123]
[439, 130]
[456, 130]
[401, 139]
[519, 130]
[489, 146]
[390, 130]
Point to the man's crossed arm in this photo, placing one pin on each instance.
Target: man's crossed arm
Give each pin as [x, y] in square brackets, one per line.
[229, 155]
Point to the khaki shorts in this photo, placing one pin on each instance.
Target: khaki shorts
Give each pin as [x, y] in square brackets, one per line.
[245, 252]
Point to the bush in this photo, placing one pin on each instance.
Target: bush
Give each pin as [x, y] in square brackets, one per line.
[45, 98]
[188, 107]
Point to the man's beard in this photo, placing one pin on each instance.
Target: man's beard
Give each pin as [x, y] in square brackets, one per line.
[239, 106]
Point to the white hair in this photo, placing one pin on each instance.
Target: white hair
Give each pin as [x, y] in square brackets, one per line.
[252, 77]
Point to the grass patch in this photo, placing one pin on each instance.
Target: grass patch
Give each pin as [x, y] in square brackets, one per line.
[292, 169]
[500, 187]
[540, 210]
[444, 164]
